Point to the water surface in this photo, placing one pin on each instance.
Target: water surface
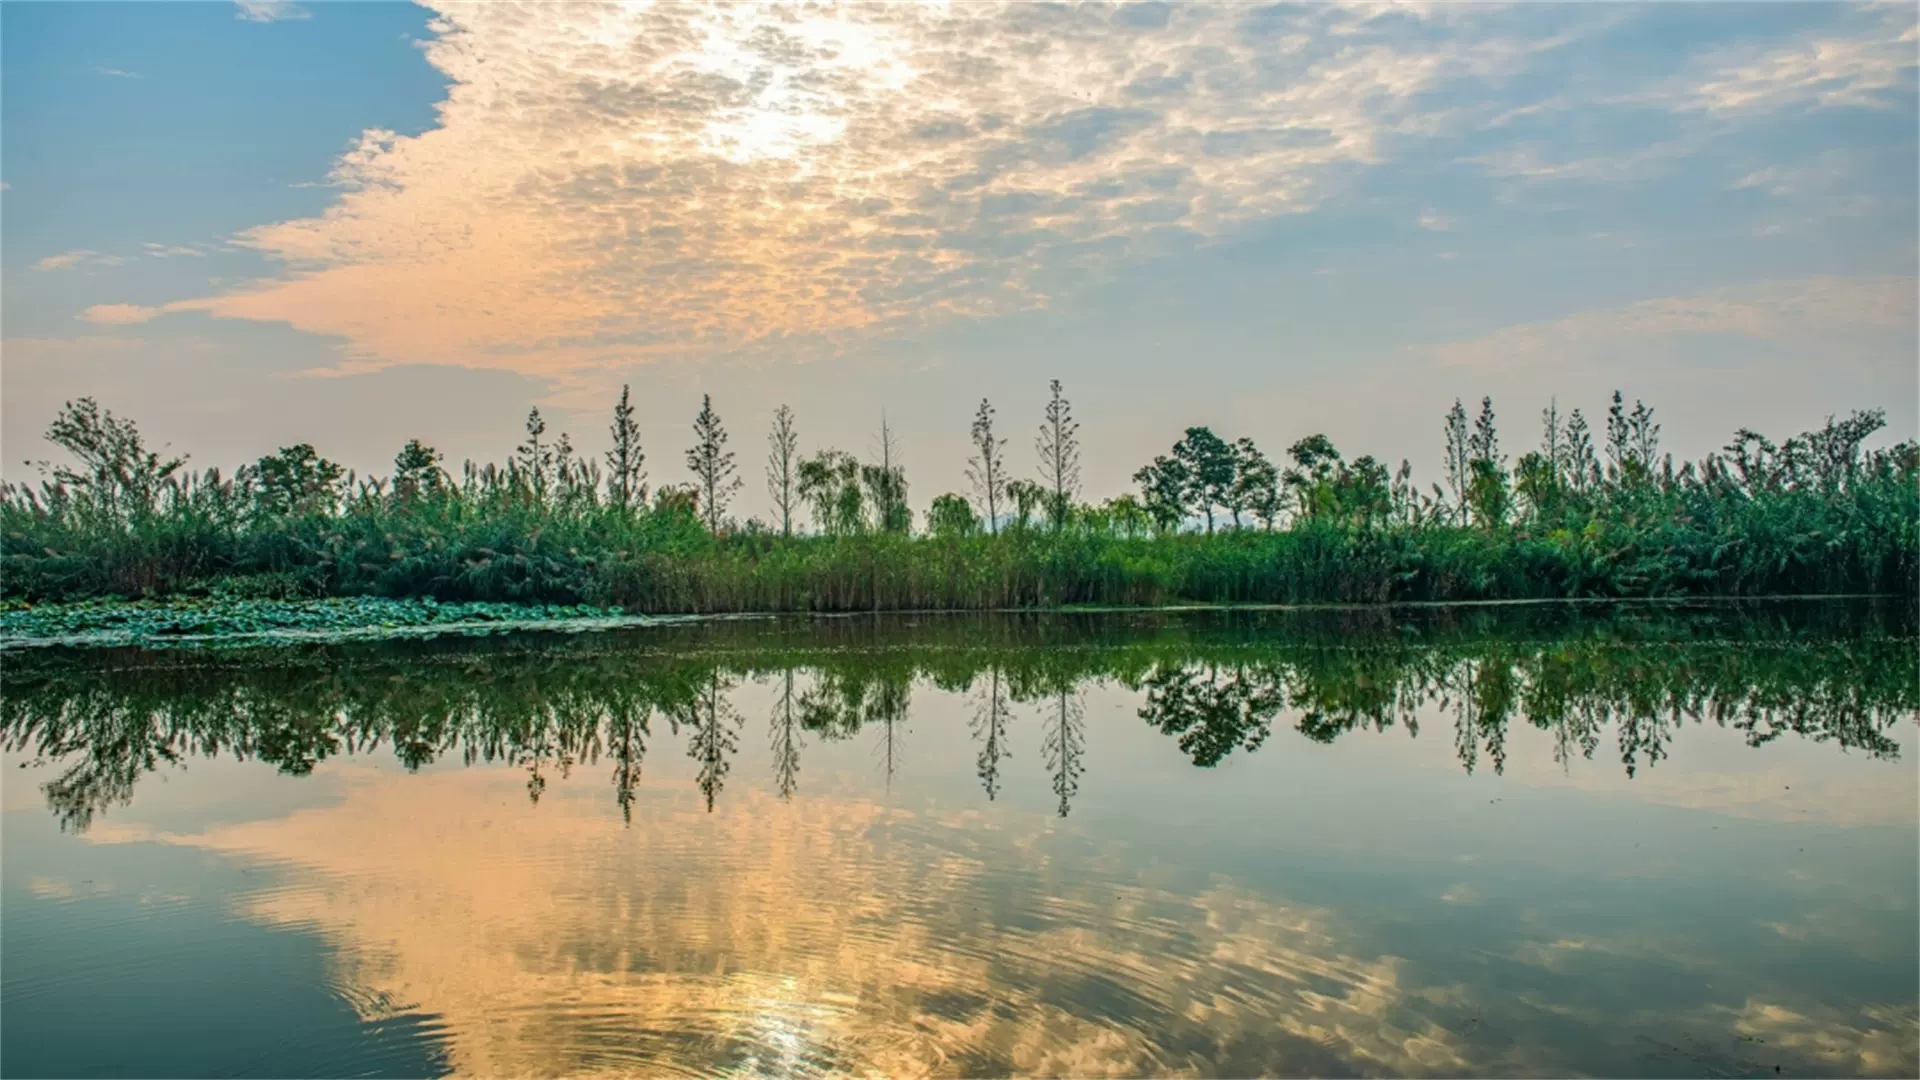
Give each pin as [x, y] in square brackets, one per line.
[1529, 841]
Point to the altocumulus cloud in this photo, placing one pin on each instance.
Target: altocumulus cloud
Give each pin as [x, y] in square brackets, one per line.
[611, 184]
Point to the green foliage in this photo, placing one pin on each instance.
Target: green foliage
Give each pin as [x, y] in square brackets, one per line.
[1818, 513]
[951, 517]
[296, 482]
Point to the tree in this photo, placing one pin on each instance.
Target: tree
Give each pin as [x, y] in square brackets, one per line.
[1486, 469]
[534, 458]
[417, 472]
[886, 485]
[1619, 451]
[987, 468]
[1633, 442]
[1643, 437]
[1458, 471]
[952, 516]
[1164, 484]
[121, 478]
[712, 465]
[296, 482]
[1551, 452]
[1059, 446]
[1484, 443]
[829, 482]
[783, 448]
[1578, 463]
[1312, 479]
[1256, 484]
[626, 477]
[1027, 497]
[1209, 466]
[1834, 450]
[1126, 515]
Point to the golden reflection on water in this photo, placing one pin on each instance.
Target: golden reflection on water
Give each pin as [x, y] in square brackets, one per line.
[826, 935]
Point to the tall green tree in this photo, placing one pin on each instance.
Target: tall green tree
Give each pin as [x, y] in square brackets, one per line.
[1209, 465]
[1256, 484]
[417, 473]
[118, 478]
[1164, 486]
[296, 482]
[1059, 447]
[1578, 463]
[952, 516]
[829, 482]
[783, 452]
[987, 468]
[1313, 477]
[712, 465]
[626, 461]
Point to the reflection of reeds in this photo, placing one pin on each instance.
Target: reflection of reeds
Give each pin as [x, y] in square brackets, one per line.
[1215, 683]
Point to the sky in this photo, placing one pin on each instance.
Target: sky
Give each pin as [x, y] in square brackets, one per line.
[250, 225]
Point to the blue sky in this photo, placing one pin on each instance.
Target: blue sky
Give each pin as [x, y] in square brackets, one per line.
[354, 224]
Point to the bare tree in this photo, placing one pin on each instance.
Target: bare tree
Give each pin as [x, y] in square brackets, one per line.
[626, 480]
[783, 444]
[1059, 446]
[886, 484]
[1459, 469]
[987, 468]
[712, 465]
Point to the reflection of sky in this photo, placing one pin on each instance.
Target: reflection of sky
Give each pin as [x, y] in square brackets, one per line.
[1360, 906]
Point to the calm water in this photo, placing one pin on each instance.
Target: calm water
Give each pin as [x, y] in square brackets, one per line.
[1518, 842]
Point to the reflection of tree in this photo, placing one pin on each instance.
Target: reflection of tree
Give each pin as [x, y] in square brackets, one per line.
[786, 740]
[106, 719]
[887, 709]
[1481, 695]
[626, 745]
[990, 727]
[1062, 744]
[1213, 710]
[714, 737]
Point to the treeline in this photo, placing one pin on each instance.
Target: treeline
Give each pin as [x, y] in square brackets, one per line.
[1215, 686]
[1585, 514]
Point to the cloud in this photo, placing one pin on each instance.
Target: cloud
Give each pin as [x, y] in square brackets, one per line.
[65, 260]
[1808, 310]
[269, 10]
[119, 74]
[118, 314]
[609, 185]
[1873, 67]
[612, 185]
[79, 257]
[168, 251]
[1438, 222]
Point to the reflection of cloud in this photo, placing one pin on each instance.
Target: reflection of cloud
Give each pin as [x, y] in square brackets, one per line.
[806, 937]
[1887, 1045]
[1802, 310]
[1779, 792]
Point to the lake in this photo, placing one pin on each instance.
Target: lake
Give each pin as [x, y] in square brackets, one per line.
[1519, 841]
